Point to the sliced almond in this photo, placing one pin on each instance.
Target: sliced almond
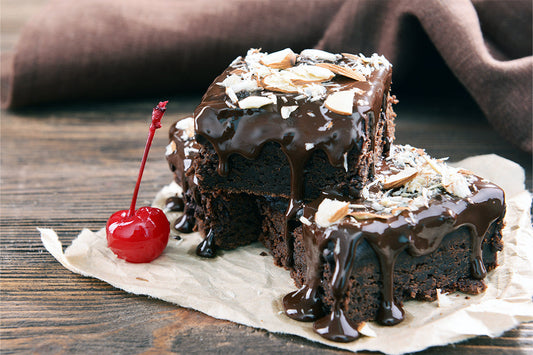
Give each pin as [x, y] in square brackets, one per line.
[340, 213]
[300, 82]
[170, 148]
[369, 215]
[254, 102]
[291, 79]
[400, 179]
[317, 54]
[396, 211]
[330, 211]
[187, 126]
[340, 70]
[275, 82]
[340, 102]
[309, 73]
[351, 56]
[231, 94]
[283, 59]
[365, 329]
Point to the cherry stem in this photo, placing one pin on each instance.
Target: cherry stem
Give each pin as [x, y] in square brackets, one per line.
[157, 114]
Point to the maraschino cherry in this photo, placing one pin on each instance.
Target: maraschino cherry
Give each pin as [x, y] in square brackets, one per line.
[140, 236]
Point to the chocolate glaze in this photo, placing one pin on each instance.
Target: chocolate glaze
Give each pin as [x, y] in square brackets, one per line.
[175, 204]
[185, 224]
[418, 232]
[180, 161]
[207, 247]
[244, 132]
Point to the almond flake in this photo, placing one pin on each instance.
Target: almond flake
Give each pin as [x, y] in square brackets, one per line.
[340, 213]
[170, 148]
[365, 329]
[276, 82]
[309, 73]
[317, 54]
[287, 110]
[369, 215]
[396, 211]
[293, 79]
[351, 56]
[187, 126]
[347, 72]
[231, 94]
[283, 59]
[400, 179]
[254, 102]
[340, 102]
[330, 211]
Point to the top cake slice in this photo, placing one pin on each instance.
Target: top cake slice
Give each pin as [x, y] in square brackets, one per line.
[292, 125]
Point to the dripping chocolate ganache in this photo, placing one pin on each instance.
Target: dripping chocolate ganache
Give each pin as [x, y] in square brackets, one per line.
[296, 151]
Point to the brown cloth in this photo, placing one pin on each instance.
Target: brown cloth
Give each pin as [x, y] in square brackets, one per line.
[94, 49]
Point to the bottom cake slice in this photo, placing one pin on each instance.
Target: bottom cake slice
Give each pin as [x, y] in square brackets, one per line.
[419, 226]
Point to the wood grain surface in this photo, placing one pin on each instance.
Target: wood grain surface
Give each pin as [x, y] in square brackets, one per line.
[69, 167]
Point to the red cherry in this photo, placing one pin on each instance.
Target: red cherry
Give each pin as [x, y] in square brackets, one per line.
[139, 238]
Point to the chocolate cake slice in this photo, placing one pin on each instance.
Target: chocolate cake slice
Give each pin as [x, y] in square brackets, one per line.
[289, 126]
[419, 226]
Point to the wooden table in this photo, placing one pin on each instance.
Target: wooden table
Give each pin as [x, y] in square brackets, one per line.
[69, 167]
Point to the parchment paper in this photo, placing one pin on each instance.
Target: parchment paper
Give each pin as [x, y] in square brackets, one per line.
[244, 287]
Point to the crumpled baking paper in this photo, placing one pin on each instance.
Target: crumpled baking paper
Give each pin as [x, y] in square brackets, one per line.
[245, 287]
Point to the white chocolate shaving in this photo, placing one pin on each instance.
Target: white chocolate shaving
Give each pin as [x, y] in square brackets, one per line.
[287, 110]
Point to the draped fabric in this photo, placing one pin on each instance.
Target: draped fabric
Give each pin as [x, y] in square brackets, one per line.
[100, 49]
